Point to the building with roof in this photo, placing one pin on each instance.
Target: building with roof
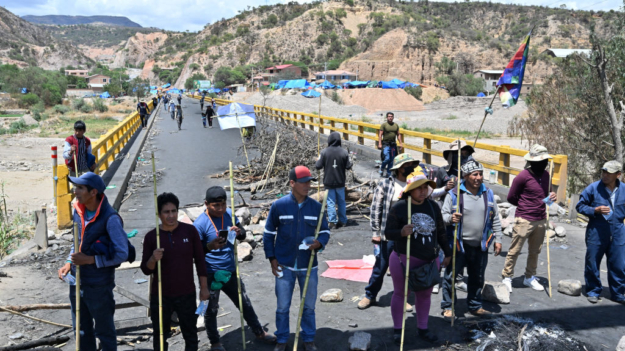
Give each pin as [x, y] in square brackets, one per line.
[491, 77]
[562, 53]
[267, 77]
[335, 75]
[77, 72]
[97, 82]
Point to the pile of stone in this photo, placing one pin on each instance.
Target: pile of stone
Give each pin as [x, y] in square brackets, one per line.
[557, 214]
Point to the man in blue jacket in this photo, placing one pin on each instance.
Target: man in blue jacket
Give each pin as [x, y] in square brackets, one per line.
[103, 245]
[290, 220]
[603, 202]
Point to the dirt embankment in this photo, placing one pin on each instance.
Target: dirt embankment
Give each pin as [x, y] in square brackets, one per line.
[375, 100]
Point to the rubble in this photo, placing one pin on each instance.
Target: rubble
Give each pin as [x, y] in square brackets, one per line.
[570, 287]
[496, 292]
[244, 252]
[560, 231]
[332, 295]
[244, 215]
[360, 341]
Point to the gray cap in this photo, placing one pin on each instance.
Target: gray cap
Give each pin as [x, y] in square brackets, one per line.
[470, 167]
[612, 167]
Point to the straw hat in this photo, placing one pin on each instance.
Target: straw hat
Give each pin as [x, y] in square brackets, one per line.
[400, 159]
[537, 153]
[415, 180]
[457, 144]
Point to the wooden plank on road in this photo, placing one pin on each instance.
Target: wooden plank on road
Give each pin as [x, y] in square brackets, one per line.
[127, 294]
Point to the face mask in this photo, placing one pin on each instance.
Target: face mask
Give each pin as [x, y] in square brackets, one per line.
[539, 167]
[407, 170]
[464, 159]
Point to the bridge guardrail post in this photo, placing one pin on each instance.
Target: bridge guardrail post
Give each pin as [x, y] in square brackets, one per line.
[303, 118]
[427, 144]
[503, 178]
[311, 126]
[361, 138]
[321, 131]
[64, 198]
[345, 127]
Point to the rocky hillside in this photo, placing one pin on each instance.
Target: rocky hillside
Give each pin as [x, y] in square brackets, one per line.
[72, 20]
[377, 40]
[24, 44]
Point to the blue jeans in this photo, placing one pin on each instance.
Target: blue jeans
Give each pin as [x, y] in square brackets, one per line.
[337, 197]
[616, 269]
[379, 270]
[284, 293]
[475, 260]
[389, 154]
[96, 305]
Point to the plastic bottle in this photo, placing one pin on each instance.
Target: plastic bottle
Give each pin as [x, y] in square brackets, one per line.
[376, 250]
[69, 279]
[201, 309]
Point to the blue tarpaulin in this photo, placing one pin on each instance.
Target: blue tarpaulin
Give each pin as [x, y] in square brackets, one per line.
[297, 84]
[214, 90]
[24, 91]
[397, 81]
[311, 94]
[174, 91]
[389, 85]
[236, 115]
[105, 95]
[153, 92]
[480, 94]
[166, 86]
[327, 85]
[356, 84]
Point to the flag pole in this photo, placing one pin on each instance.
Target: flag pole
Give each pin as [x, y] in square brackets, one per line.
[548, 258]
[453, 260]
[158, 263]
[485, 114]
[403, 318]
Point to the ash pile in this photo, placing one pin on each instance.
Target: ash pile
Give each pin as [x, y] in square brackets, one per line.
[509, 332]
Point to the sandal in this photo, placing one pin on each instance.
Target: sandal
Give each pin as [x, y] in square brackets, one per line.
[267, 338]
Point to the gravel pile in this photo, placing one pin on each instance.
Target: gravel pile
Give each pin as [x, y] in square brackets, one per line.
[309, 105]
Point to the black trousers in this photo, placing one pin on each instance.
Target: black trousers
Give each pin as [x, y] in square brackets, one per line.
[475, 260]
[144, 120]
[231, 290]
[185, 307]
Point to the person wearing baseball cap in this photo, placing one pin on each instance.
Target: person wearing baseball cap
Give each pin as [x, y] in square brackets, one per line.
[386, 193]
[99, 225]
[220, 262]
[602, 202]
[528, 190]
[479, 226]
[292, 221]
[428, 234]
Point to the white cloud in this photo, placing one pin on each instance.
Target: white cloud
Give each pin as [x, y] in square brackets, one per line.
[193, 15]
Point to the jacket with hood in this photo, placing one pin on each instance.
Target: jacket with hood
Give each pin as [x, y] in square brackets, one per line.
[334, 160]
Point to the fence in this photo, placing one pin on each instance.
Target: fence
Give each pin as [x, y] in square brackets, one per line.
[105, 149]
[363, 130]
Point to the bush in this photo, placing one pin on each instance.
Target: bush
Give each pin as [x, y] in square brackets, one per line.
[61, 109]
[336, 97]
[37, 111]
[99, 105]
[414, 91]
[86, 108]
[29, 100]
[78, 103]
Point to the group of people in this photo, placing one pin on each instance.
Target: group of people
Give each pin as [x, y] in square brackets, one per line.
[412, 202]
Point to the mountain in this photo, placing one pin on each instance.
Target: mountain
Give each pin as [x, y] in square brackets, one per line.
[62, 20]
[23, 43]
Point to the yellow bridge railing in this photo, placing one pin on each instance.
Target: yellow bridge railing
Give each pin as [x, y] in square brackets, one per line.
[105, 149]
[363, 130]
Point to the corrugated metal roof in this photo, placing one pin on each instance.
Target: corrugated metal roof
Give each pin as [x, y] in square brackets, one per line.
[567, 52]
[335, 73]
[490, 71]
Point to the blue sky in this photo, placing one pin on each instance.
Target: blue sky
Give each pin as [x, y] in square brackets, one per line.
[193, 15]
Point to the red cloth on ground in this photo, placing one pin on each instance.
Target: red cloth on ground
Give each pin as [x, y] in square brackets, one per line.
[354, 270]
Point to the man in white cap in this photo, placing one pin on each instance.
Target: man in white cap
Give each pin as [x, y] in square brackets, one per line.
[602, 201]
[528, 190]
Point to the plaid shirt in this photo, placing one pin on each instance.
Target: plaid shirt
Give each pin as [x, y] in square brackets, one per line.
[381, 204]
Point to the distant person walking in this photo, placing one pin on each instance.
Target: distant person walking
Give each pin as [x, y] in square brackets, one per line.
[602, 202]
[202, 102]
[335, 161]
[179, 116]
[209, 116]
[389, 132]
[154, 102]
[172, 109]
[80, 145]
[179, 99]
[144, 111]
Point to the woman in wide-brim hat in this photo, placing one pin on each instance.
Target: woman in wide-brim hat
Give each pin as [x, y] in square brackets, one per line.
[427, 233]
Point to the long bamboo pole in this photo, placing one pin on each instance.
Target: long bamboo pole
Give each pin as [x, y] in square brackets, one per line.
[76, 250]
[548, 258]
[319, 149]
[453, 263]
[236, 258]
[158, 263]
[403, 319]
[310, 263]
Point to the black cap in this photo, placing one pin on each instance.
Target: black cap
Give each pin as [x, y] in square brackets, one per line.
[215, 194]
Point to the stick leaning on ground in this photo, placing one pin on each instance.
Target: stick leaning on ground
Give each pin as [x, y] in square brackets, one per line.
[453, 263]
[236, 258]
[310, 263]
[547, 206]
[403, 319]
[158, 263]
[77, 249]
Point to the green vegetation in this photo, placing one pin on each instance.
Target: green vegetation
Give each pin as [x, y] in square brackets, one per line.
[11, 115]
[14, 228]
[452, 133]
[48, 86]
[96, 126]
[416, 92]
[459, 84]
[94, 35]
[188, 84]
[99, 105]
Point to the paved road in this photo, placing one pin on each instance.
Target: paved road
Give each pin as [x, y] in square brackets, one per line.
[190, 155]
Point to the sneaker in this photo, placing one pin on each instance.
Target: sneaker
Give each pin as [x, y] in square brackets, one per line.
[462, 286]
[480, 312]
[280, 347]
[593, 299]
[435, 289]
[409, 307]
[310, 346]
[533, 283]
[508, 283]
[365, 303]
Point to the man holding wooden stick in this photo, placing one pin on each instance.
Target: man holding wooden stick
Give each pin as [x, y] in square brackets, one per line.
[103, 245]
[289, 242]
[479, 226]
[180, 248]
[528, 190]
[217, 233]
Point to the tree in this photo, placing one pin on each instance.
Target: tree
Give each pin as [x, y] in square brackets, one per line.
[460, 84]
[113, 88]
[446, 66]
[138, 87]
[432, 42]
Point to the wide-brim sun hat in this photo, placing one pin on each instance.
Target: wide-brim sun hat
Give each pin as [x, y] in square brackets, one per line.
[400, 159]
[415, 180]
[457, 144]
[537, 153]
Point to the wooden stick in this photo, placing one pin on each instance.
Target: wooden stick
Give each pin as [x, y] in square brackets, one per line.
[310, 263]
[547, 206]
[243, 142]
[38, 319]
[236, 258]
[158, 263]
[484, 119]
[403, 318]
[34, 343]
[42, 306]
[453, 263]
[77, 249]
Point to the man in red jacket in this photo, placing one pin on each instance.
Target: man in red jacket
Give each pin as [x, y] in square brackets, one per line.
[80, 145]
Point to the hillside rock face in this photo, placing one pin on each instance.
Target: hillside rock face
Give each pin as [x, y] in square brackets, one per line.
[70, 20]
[139, 48]
[24, 43]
